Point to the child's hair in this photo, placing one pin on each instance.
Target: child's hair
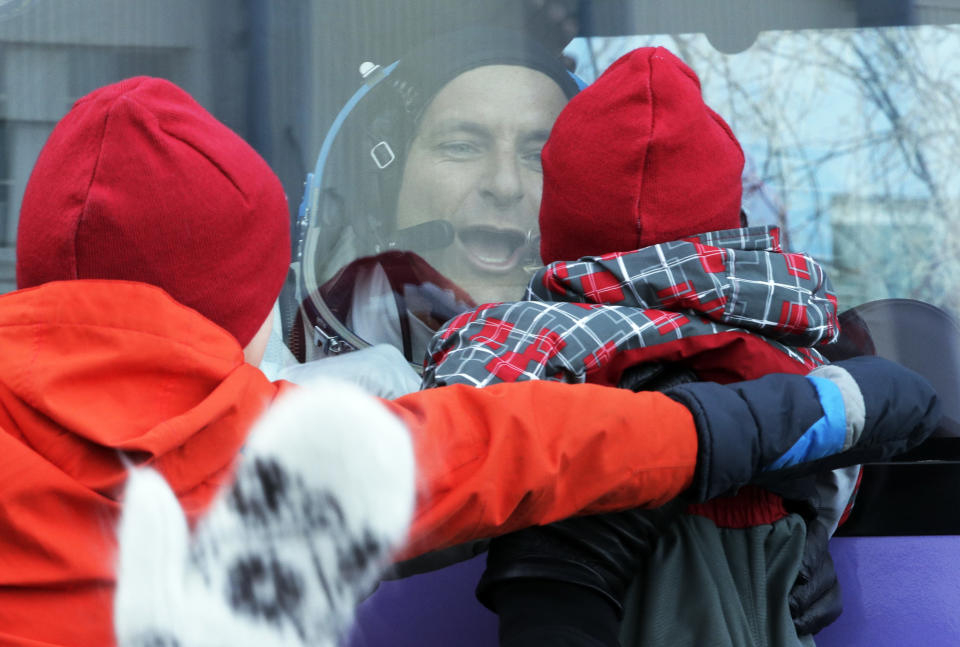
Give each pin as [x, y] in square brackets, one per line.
[138, 182]
[637, 158]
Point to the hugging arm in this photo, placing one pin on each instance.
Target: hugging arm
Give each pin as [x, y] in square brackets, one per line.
[508, 456]
[859, 410]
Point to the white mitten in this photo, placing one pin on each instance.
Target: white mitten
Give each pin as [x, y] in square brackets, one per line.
[323, 492]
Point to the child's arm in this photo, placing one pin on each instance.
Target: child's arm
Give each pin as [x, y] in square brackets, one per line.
[508, 456]
[504, 457]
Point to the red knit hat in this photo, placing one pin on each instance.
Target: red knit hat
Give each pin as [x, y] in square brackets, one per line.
[635, 159]
[138, 182]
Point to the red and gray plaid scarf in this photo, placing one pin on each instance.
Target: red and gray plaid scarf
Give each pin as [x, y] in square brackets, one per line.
[730, 305]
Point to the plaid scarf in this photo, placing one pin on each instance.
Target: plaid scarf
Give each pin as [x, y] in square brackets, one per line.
[730, 305]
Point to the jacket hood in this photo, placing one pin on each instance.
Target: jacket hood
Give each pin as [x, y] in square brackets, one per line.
[95, 376]
[92, 367]
[738, 277]
[728, 305]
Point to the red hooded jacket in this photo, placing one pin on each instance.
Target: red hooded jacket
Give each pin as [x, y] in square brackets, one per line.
[96, 375]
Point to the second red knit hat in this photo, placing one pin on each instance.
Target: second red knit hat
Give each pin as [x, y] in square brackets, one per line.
[635, 159]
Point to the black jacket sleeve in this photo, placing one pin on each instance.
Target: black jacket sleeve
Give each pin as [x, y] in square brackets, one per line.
[745, 427]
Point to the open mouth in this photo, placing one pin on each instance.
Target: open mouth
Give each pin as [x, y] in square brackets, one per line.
[492, 249]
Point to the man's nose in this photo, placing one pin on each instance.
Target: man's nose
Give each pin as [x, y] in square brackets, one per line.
[502, 183]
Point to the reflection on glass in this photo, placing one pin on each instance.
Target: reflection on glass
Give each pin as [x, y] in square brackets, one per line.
[425, 198]
[475, 163]
[851, 133]
[852, 144]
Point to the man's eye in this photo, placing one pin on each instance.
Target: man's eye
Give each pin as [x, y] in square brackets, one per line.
[459, 149]
[532, 158]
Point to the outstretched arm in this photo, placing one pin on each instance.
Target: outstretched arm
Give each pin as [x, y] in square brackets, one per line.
[858, 410]
[508, 456]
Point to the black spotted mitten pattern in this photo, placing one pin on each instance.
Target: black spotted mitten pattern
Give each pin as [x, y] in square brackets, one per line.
[323, 493]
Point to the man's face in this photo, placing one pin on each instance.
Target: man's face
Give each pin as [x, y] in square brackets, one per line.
[475, 162]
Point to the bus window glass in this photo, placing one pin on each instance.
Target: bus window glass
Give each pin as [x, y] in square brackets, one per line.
[852, 144]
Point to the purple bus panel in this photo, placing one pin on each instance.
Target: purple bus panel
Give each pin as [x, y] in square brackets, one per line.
[896, 591]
